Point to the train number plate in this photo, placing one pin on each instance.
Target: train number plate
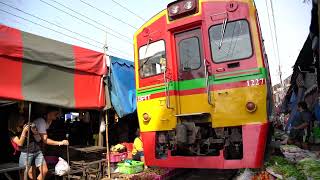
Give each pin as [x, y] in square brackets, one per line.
[256, 82]
[143, 98]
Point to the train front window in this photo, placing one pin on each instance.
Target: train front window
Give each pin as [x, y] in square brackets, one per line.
[230, 42]
[152, 59]
[189, 51]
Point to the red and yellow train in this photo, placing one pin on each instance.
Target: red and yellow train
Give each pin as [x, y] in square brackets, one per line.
[203, 87]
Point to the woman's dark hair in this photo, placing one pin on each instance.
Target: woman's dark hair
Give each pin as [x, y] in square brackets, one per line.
[303, 105]
[52, 109]
[13, 121]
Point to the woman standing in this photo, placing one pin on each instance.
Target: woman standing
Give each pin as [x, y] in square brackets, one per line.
[18, 134]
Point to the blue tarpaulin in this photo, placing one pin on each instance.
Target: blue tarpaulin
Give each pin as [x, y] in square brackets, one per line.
[123, 90]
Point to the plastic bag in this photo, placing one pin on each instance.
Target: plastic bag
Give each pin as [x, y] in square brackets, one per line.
[62, 167]
[247, 174]
[102, 126]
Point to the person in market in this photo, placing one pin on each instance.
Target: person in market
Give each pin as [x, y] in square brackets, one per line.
[300, 126]
[137, 151]
[81, 131]
[18, 131]
[43, 124]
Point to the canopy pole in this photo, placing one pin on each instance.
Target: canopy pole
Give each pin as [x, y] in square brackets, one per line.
[28, 142]
[107, 145]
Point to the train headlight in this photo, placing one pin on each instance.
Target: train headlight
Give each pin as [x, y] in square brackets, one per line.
[174, 9]
[146, 117]
[182, 8]
[188, 5]
[251, 107]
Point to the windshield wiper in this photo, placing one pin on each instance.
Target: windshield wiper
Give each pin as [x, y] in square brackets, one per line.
[145, 62]
[223, 31]
[145, 53]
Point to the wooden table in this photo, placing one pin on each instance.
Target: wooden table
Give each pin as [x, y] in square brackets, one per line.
[9, 167]
[90, 149]
[89, 163]
[87, 170]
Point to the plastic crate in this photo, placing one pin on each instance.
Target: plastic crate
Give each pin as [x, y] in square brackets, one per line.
[118, 157]
[131, 167]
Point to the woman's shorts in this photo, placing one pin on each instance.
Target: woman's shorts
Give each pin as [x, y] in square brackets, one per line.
[138, 156]
[36, 159]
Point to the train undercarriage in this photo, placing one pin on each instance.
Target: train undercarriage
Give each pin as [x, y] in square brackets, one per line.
[196, 138]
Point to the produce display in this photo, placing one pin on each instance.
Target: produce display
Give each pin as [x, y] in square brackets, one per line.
[119, 148]
[295, 154]
[157, 171]
[284, 168]
[264, 175]
[154, 174]
[310, 167]
[148, 174]
[316, 132]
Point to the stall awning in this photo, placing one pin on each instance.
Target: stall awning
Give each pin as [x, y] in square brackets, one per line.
[37, 69]
[123, 96]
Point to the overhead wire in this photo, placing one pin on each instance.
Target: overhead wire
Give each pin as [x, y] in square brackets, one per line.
[91, 19]
[276, 38]
[139, 17]
[30, 21]
[49, 28]
[51, 23]
[271, 31]
[119, 50]
[58, 25]
[108, 14]
[125, 40]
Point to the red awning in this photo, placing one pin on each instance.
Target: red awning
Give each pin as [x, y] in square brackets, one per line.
[37, 69]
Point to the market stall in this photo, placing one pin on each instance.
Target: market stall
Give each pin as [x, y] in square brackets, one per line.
[38, 69]
[41, 70]
[122, 87]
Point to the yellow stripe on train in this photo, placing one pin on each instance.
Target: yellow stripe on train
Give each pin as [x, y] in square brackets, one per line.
[229, 108]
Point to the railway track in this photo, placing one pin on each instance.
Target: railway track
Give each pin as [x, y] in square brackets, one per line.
[207, 174]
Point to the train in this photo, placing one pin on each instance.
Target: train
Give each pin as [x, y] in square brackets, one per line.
[203, 86]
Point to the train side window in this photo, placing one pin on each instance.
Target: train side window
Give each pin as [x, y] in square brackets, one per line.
[152, 59]
[230, 43]
[189, 52]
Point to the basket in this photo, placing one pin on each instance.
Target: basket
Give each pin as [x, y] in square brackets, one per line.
[129, 146]
[131, 167]
[118, 157]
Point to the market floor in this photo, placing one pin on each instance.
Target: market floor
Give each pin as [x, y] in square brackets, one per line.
[207, 174]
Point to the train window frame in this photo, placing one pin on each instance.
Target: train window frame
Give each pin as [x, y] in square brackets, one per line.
[237, 59]
[139, 60]
[199, 50]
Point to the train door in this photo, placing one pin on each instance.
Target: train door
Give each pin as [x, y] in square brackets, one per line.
[191, 73]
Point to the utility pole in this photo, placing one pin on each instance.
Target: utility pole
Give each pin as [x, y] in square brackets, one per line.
[105, 49]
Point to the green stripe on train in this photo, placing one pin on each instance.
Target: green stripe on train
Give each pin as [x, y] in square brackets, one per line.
[200, 83]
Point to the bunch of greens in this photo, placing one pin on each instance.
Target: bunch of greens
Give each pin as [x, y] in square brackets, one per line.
[310, 167]
[281, 166]
[276, 160]
[316, 132]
